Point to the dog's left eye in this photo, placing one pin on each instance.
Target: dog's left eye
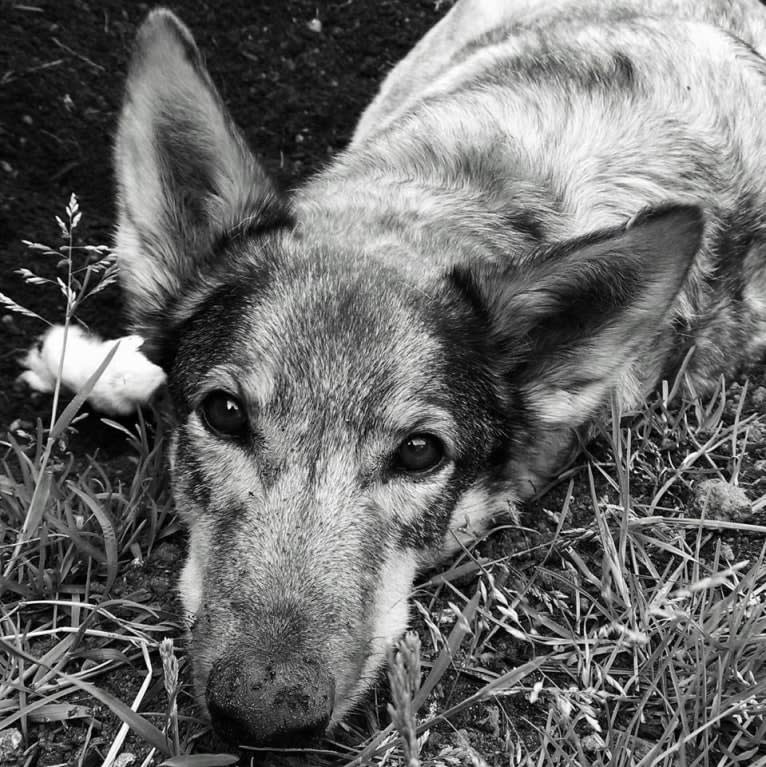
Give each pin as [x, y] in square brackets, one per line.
[419, 453]
[223, 414]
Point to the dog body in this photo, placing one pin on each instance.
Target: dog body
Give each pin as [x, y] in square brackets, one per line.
[546, 207]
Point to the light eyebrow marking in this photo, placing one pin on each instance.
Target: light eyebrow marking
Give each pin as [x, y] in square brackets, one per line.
[255, 386]
[407, 418]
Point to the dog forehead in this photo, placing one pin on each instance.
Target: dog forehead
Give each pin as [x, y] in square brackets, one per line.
[316, 335]
[344, 340]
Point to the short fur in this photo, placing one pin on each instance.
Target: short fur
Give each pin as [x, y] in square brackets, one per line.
[547, 205]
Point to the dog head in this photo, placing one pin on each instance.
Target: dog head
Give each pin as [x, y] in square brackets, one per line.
[339, 422]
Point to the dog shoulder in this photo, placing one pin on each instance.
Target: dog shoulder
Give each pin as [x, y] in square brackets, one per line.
[477, 35]
[468, 20]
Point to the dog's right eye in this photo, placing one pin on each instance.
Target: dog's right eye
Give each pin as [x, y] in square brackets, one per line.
[419, 453]
[223, 414]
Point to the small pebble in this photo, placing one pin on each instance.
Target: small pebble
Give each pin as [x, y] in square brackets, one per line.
[720, 500]
[593, 743]
[10, 742]
[758, 396]
[756, 433]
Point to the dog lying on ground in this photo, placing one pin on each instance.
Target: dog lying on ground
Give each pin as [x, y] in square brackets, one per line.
[546, 207]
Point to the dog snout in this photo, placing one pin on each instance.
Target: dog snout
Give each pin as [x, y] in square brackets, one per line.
[253, 702]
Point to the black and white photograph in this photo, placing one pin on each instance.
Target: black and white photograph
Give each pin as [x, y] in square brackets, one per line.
[383, 383]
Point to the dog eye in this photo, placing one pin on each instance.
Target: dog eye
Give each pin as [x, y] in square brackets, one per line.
[223, 413]
[419, 452]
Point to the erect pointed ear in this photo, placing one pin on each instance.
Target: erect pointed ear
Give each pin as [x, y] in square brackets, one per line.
[583, 318]
[186, 178]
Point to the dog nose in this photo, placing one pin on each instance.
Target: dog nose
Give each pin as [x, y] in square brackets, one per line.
[254, 703]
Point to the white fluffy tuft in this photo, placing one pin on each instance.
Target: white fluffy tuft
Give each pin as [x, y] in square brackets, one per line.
[128, 381]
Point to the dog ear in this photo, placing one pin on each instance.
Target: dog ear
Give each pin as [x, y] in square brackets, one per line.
[186, 178]
[571, 323]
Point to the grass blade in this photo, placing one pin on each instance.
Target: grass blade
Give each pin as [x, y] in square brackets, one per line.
[71, 410]
[201, 760]
[141, 726]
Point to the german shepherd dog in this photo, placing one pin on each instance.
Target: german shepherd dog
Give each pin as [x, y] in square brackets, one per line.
[545, 208]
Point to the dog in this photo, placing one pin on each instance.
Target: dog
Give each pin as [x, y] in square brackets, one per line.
[546, 208]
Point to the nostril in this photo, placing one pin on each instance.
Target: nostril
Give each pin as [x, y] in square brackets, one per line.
[269, 705]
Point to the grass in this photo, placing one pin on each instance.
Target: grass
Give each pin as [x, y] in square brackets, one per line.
[624, 625]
